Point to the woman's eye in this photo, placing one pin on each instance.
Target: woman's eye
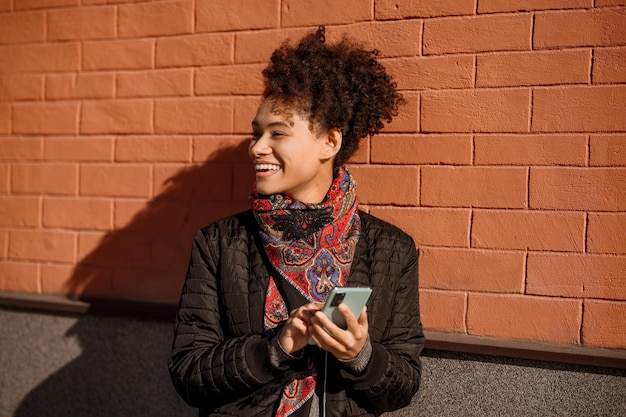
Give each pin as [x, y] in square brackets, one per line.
[275, 135]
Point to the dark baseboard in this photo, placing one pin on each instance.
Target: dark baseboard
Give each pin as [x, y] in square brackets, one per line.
[454, 342]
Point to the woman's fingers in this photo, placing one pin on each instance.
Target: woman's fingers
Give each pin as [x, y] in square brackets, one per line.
[295, 334]
[344, 344]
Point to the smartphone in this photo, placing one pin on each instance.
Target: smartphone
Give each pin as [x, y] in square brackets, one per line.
[353, 297]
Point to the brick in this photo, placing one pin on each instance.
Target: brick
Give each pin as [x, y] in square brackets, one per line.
[153, 149]
[606, 233]
[83, 149]
[170, 180]
[530, 150]
[19, 211]
[604, 3]
[81, 24]
[429, 227]
[6, 5]
[229, 80]
[170, 254]
[197, 183]
[5, 118]
[115, 180]
[4, 243]
[194, 50]
[407, 120]
[147, 286]
[35, 178]
[545, 319]
[607, 150]
[489, 110]
[529, 230]
[95, 249]
[77, 213]
[560, 29]
[19, 277]
[586, 189]
[21, 149]
[577, 276]
[39, 58]
[80, 86]
[155, 19]
[165, 83]
[443, 310]
[362, 154]
[533, 68]
[38, 245]
[45, 118]
[227, 15]
[58, 279]
[119, 251]
[196, 115]
[204, 213]
[422, 149]
[485, 187]
[496, 6]
[402, 9]
[120, 55]
[478, 34]
[604, 325]
[392, 39]
[221, 148]
[116, 116]
[127, 211]
[325, 12]
[373, 183]
[79, 281]
[5, 186]
[245, 109]
[608, 65]
[21, 87]
[44, 4]
[435, 72]
[99, 2]
[243, 184]
[472, 270]
[22, 27]
[140, 216]
[257, 46]
[579, 109]
[123, 250]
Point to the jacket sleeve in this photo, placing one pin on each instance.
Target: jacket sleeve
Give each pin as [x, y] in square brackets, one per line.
[392, 376]
[207, 367]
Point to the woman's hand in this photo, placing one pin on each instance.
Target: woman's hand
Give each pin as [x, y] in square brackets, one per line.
[295, 333]
[344, 344]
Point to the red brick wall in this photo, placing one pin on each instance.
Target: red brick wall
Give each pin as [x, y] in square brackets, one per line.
[123, 129]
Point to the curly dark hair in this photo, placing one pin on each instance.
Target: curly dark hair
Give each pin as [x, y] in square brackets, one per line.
[339, 86]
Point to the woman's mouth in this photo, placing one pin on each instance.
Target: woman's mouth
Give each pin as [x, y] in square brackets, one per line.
[266, 167]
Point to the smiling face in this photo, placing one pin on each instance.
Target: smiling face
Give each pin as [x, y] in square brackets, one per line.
[289, 157]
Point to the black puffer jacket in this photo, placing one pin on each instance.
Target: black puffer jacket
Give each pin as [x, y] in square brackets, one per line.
[220, 356]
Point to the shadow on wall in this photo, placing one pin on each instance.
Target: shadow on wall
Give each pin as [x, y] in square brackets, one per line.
[120, 371]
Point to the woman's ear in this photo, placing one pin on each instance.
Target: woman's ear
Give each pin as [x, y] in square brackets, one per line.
[332, 142]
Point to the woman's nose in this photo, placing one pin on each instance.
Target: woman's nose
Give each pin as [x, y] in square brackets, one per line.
[259, 146]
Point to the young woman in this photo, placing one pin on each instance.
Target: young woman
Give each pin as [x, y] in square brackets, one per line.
[257, 280]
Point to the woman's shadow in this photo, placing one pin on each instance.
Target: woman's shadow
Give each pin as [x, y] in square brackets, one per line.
[121, 369]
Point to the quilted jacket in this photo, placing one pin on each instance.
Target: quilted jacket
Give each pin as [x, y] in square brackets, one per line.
[220, 356]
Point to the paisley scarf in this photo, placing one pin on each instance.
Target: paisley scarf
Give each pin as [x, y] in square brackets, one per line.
[311, 247]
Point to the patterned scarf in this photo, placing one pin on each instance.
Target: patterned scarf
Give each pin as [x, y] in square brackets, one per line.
[311, 247]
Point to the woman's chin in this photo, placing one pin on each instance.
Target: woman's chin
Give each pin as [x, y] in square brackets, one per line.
[267, 190]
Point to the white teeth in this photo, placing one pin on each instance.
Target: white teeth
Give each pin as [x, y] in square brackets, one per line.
[266, 167]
